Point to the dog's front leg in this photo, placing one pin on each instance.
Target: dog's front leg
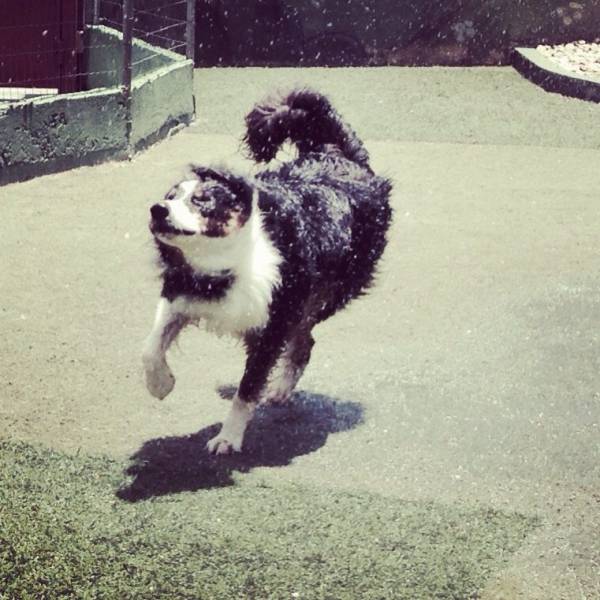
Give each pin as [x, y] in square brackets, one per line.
[231, 436]
[167, 325]
[263, 351]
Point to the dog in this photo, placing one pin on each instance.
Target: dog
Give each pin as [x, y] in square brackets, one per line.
[266, 258]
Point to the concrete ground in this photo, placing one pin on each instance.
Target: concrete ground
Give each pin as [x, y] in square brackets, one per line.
[473, 364]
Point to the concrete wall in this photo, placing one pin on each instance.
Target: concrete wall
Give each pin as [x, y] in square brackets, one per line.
[52, 134]
[104, 60]
[161, 100]
[161, 88]
[48, 135]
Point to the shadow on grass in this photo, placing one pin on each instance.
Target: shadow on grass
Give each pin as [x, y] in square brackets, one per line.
[276, 435]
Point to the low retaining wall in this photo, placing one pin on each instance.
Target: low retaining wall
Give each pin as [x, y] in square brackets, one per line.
[552, 77]
[162, 100]
[53, 134]
[45, 135]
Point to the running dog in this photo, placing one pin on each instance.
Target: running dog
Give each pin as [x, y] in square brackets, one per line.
[267, 257]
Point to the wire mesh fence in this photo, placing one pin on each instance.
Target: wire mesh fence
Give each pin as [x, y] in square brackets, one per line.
[155, 22]
[59, 46]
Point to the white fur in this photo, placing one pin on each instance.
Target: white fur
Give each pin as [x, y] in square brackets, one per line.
[159, 378]
[179, 210]
[231, 436]
[283, 380]
[281, 386]
[254, 261]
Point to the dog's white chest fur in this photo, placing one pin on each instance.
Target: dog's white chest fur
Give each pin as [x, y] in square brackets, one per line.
[254, 262]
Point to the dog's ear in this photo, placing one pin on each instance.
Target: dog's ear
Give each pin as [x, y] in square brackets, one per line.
[241, 188]
[204, 173]
[238, 185]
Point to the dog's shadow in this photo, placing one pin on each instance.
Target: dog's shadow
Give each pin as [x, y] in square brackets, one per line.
[276, 435]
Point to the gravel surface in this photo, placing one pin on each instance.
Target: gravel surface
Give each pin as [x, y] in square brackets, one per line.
[582, 58]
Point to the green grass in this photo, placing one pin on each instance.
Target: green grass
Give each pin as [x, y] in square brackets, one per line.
[64, 533]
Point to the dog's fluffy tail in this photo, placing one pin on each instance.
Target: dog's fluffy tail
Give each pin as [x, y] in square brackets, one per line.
[307, 119]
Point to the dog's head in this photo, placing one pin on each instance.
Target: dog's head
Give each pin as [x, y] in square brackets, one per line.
[211, 203]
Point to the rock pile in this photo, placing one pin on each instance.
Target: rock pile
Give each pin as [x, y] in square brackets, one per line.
[581, 58]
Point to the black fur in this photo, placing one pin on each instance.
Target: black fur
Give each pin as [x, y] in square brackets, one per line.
[327, 214]
[307, 119]
[179, 279]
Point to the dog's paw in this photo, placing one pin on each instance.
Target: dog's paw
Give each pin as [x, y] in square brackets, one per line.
[159, 380]
[221, 445]
[231, 436]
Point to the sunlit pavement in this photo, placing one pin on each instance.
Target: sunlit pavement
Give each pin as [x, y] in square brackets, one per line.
[475, 359]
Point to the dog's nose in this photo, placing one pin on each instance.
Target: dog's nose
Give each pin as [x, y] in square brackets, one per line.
[159, 212]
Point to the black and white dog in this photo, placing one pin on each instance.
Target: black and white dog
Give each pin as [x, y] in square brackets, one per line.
[267, 258]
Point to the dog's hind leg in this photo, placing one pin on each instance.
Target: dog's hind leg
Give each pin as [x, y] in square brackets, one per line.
[290, 367]
[167, 325]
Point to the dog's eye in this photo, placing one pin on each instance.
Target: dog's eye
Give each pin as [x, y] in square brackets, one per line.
[198, 199]
[171, 195]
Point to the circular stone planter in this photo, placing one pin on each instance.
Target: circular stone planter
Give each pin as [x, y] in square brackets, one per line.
[533, 65]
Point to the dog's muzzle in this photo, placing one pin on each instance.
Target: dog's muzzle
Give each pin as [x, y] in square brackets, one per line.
[159, 212]
[160, 223]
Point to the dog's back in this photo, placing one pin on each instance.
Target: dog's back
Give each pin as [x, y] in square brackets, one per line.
[327, 211]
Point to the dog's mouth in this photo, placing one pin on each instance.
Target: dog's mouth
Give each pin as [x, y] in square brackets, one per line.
[210, 230]
[167, 230]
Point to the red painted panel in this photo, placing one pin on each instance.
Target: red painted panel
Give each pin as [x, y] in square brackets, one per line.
[71, 24]
[38, 43]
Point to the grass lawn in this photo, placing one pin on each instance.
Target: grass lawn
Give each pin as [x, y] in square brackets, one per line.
[68, 529]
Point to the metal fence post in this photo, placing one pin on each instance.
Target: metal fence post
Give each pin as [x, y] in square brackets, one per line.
[127, 68]
[96, 12]
[190, 31]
